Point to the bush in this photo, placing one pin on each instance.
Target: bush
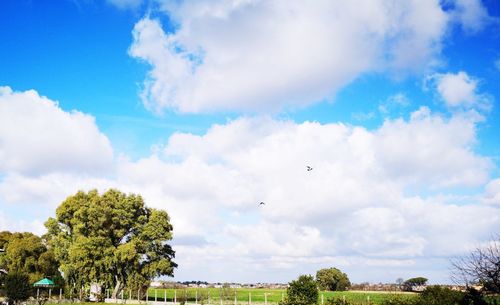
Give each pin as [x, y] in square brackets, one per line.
[303, 291]
[437, 295]
[474, 297]
[17, 287]
[339, 301]
[400, 300]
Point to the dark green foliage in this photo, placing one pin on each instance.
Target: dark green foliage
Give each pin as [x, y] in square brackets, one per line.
[400, 300]
[437, 295]
[339, 301]
[27, 253]
[473, 297]
[17, 287]
[411, 284]
[303, 291]
[332, 279]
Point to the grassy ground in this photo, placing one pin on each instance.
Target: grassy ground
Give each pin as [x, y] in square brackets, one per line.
[260, 295]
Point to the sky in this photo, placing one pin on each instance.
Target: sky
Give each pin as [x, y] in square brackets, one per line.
[206, 108]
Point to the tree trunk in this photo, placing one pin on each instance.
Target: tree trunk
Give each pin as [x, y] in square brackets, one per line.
[117, 290]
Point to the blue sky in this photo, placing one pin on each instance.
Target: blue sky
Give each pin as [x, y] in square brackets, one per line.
[208, 107]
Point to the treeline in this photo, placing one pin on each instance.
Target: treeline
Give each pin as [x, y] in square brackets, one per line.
[304, 291]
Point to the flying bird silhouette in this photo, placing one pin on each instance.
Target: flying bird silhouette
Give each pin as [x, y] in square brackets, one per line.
[262, 203]
[309, 168]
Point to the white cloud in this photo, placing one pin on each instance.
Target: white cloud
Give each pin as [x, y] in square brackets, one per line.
[396, 101]
[492, 192]
[471, 14]
[255, 55]
[459, 90]
[352, 210]
[48, 190]
[432, 151]
[36, 136]
[354, 196]
[7, 224]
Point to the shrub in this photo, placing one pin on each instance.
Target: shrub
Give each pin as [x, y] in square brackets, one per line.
[303, 291]
[339, 301]
[474, 297]
[17, 287]
[437, 295]
[399, 300]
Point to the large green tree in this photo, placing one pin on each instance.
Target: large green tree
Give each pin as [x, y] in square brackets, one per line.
[112, 239]
[27, 253]
[332, 279]
[302, 291]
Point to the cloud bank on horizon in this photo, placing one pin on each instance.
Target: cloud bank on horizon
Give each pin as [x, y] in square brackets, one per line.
[405, 195]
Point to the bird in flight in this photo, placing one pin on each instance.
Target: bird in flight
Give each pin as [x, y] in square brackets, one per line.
[309, 168]
[262, 203]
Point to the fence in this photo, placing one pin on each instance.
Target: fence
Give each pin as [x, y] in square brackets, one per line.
[191, 296]
[194, 296]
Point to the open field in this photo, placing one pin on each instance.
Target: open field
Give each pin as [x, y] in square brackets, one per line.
[261, 295]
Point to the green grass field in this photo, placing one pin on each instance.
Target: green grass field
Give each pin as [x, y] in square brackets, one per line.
[273, 296]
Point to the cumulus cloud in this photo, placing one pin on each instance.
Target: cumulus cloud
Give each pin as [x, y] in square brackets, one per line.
[36, 136]
[471, 14]
[460, 90]
[8, 224]
[353, 203]
[364, 205]
[255, 55]
[492, 192]
[431, 150]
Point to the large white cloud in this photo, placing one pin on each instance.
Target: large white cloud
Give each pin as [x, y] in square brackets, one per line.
[366, 204]
[352, 207]
[266, 55]
[36, 136]
[254, 55]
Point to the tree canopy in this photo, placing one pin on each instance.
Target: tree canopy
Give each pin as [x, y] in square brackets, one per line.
[26, 253]
[332, 279]
[303, 291]
[112, 239]
[411, 284]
